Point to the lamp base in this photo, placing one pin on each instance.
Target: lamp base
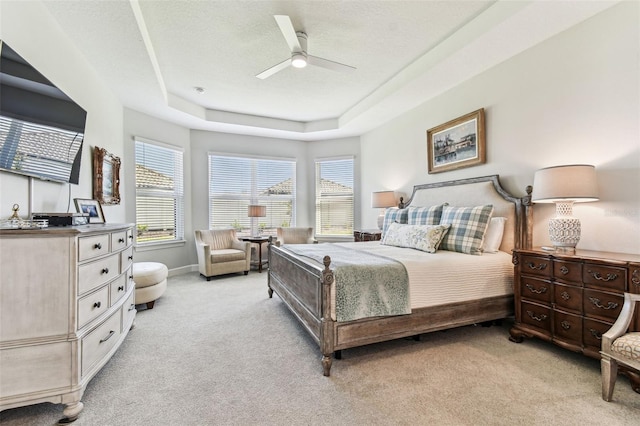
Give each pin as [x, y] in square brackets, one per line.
[564, 232]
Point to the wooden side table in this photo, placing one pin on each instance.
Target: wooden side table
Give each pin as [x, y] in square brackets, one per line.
[259, 241]
[367, 235]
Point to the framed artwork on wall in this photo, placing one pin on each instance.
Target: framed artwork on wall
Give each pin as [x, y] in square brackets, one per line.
[457, 143]
[92, 207]
[106, 177]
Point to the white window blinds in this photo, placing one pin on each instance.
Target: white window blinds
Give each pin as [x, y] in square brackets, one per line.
[236, 182]
[159, 193]
[334, 197]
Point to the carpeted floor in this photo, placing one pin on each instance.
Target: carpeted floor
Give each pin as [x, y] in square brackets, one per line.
[223, 353]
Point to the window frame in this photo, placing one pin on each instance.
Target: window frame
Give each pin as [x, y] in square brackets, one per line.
[318, 196]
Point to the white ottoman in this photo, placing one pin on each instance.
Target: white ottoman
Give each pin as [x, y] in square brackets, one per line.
[151, 282]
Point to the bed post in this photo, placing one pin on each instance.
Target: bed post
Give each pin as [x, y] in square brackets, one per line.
[527, 232]
[326, 331]
[269, 289]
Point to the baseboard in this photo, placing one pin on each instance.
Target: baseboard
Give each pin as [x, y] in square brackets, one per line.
[183, 270]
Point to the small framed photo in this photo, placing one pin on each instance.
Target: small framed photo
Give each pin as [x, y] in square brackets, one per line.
[456, 144]
[92, 207]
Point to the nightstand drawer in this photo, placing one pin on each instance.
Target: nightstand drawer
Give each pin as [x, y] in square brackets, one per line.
[568, 271]
[598, 304]
[536, 316]
[568, 297]
[604, 277]
[567, 327]
[533, 265]
[535, 289]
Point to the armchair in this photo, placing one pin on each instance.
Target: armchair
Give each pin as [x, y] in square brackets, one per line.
[295, 236]
[619, 346]
[220, 252]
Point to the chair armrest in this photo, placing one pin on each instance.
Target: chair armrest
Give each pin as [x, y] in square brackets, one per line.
[624, 319]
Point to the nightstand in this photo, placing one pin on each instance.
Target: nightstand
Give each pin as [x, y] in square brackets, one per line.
[259, 241]
[367, 235]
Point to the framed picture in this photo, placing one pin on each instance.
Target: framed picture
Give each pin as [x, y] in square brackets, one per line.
[92, 207]
[106, 177]
[456, 144]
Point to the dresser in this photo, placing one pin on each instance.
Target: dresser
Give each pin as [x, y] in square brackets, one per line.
[66, 305]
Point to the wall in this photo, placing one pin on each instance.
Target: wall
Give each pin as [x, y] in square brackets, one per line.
[29, 29]
[571, 99]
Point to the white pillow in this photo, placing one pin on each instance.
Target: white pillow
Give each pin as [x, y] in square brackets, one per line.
[493, 236]
[422, 237]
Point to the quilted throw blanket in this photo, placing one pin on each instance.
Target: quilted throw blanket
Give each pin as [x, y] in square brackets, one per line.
[366, 284]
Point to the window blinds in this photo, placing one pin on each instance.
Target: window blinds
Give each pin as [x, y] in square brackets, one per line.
[334, 197]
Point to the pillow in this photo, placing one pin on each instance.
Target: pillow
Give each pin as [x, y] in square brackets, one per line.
[393, 214]
[493, 236]
[425, 215]
[422, 237]
[468, 226]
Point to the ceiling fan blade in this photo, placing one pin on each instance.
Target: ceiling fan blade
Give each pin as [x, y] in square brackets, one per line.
[274, 69]
[286, 27]
[331, 65]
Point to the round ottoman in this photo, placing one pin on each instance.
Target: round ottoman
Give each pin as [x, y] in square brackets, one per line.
[151, 282]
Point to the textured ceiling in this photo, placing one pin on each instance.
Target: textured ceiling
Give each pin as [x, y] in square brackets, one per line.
[154, 53]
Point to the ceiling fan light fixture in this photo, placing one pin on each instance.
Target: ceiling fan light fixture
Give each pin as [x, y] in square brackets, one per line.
[299, 60]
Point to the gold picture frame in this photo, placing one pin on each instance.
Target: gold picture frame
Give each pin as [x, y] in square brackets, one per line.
[457, 143]
[106, 177]
[90, 207]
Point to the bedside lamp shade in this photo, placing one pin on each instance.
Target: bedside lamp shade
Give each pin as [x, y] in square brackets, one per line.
[565, 185]
[382, 200]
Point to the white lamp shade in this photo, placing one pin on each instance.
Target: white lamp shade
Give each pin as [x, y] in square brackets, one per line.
[575, 183]
[256, 210]
[383, 199]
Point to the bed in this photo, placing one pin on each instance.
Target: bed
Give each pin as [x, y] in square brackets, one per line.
[306, 282]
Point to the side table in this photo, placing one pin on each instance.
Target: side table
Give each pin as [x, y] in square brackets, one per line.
[259, 241]
[367, 235]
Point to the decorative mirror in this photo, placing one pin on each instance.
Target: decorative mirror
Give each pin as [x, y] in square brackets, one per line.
[106, 177]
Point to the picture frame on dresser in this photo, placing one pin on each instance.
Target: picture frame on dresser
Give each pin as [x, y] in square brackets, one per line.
[92, 207]
[457, 143]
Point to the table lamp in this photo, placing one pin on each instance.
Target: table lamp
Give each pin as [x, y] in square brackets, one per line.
[381, 200]
[254, 211]
[565, 185]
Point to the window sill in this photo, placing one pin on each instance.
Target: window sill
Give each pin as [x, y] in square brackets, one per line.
[159, 245]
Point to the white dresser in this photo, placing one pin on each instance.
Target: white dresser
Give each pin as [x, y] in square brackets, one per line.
[66, 305]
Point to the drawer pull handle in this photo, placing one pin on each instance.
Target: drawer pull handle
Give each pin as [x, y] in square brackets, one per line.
[130, 257]
[132, 307]
[564, 270]
[121, 288]
[535, 290]
[98, 246]
[97, 305]
[105, 271]
[598, 276]
[121, 240]
[131, 237]
[565, 296]
[130, 277]
[535, 317]
[597, 304]
[596, 334]
[111, 333]
[566, 325]
[635, 277]
[540, 267]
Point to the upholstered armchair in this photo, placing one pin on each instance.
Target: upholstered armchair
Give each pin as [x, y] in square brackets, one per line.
[295, 236]
[220, 252]
[619, 346]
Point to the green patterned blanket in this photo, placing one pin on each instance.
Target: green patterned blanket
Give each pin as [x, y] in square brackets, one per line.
[367, 285]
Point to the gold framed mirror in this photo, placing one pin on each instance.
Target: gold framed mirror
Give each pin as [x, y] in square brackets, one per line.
[106, 177]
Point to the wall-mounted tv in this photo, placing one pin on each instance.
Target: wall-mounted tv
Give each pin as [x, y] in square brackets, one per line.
[41, 128]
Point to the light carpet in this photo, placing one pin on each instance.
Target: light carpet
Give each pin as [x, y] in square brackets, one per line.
[223, 353]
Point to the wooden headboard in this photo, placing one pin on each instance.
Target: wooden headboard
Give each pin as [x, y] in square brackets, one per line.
[480, 191]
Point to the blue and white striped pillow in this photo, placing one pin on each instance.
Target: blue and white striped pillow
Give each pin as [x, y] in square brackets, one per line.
[468, 226]
[425, 215]
[393, 214]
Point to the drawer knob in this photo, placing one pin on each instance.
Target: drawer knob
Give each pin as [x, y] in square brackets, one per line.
[535, 317]
[111, 333]
[131, 237]
[566, 325]
[130, 257]
[98, 246]
[121, 288]
[564, 270]
[596, 302]
[121, 240]
[635, 277]
[540, 267]
[105, 270]
[532, 289]
[598, 276]
[565, 296]
[97, 305]
[596, 334]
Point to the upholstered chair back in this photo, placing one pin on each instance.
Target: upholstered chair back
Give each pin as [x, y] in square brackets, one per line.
[218, 239]
[295, 236]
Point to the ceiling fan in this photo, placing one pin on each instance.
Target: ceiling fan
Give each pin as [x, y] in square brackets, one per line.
[297, 42]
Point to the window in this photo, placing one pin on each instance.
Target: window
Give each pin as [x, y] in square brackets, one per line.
[236, 182]
[334, 197]
[159, 193]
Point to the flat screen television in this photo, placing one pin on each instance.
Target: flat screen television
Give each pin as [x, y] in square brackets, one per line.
[41, 128]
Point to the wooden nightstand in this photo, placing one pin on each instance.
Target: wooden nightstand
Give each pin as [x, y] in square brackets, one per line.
[367, 235]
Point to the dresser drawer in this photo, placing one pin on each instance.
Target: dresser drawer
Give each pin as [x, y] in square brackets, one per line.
[100, 341]
[92, 305]
[92, 247]
[538, 266]
[128, 312]
[568, 297]
[593, 331]
[537, 316]
[567, 327]
[604, 277]
[94, 274]
[601, 305]
[119, 240]
[567, 271]
[535, 289]
[126, 259]
[117, 289]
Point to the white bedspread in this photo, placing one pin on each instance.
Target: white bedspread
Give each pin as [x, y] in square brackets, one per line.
[445, 276]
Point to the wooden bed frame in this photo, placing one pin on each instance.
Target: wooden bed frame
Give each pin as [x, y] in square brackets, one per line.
[304, 286]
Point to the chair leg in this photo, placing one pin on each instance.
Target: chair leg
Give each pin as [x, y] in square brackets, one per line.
[609, 370]
[246, 272]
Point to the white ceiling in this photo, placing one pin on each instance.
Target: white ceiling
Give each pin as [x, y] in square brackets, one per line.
[153, 54]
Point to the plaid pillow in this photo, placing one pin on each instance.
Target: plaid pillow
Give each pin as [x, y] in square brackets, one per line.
[393, 214]
[425, 215]
[468, 226]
